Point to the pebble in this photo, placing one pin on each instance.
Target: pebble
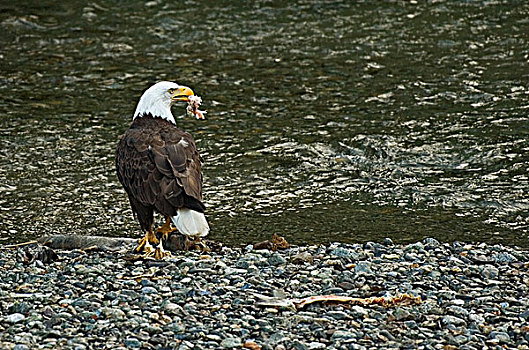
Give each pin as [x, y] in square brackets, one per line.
[502, 337]
[473, 296]
[490, 272]
[15, 318]
[230, 343]
[276, 259]
[132, 343]
[21, 347]
[149, 290]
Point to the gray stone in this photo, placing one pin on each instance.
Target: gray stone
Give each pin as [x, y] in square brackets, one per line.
[20, 307]
[81, 303]
[173, 309]
[297, 345]
[149, 290]
[387, 242]
[453, 320]
[525, 315]
[316, 345]
[176, 327]
[229, 343]
[414, 247]
[431, 242]
[337, 315]
[15, 318]
[276, 259]
[401, 314]
[460, 339]
[504, 258]
[363, 267]
[458, 311]
[490, 272]
[342, 335]
[132, 343]
[359, 311]
[114, 313]
[211, 302]
[502, 337]
[345, 253]
[21, 347]
[410, 324]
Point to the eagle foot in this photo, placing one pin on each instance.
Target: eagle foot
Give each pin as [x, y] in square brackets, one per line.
[165, 230]
[145, 244]
[161, 253]
[157, 253]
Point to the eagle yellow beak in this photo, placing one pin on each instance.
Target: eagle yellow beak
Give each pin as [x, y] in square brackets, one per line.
[181, 93]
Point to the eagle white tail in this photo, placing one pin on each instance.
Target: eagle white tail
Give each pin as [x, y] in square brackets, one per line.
[191, 223]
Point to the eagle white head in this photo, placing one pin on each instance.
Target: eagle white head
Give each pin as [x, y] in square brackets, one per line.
[158, 99]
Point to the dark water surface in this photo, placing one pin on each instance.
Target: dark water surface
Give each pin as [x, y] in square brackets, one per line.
[345, 120]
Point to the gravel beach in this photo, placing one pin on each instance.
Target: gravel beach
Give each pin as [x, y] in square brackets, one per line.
[470, 296]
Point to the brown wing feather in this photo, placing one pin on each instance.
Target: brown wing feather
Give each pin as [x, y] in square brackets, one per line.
[157, 168]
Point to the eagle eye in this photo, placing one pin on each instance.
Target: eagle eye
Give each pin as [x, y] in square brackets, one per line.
[171, 91]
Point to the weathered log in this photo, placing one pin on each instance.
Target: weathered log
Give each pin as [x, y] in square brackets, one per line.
[175, 243]
[69, 242]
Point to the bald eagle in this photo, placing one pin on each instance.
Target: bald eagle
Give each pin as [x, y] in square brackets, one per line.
[160, 169]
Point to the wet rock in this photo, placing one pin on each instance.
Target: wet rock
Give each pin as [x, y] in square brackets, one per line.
[387, 242]
[401, 314]
[276, 259]
[339, 334]
[341, 252]
[21, 347]
[338, 315]
[430, 243]
[490, 272]
[230, 343]
[149, 290]
[303, 257]
[132, 343]
[19, 307]
[113, 313]
[15, 318]
[503, 258]
[453, 320]
[363, 267]
[501, 337]
[298, 345]
[525, 315]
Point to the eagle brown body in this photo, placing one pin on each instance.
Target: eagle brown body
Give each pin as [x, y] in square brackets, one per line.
[160, 169]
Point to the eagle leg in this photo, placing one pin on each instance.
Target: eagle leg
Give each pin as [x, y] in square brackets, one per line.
[144, 244]
[166, 229]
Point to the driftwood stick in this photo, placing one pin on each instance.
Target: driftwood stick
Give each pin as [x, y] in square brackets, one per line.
[298, 304]
[18, 245]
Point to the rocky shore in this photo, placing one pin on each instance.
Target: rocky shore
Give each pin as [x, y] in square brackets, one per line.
[465, 296]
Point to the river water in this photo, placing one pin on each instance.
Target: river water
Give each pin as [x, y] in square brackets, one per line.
[327, 121]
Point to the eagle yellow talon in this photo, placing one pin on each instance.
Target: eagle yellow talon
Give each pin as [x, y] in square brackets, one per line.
[166, 229]
[147, 242]
[160, 254]
[141, 245]
[149, 252]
